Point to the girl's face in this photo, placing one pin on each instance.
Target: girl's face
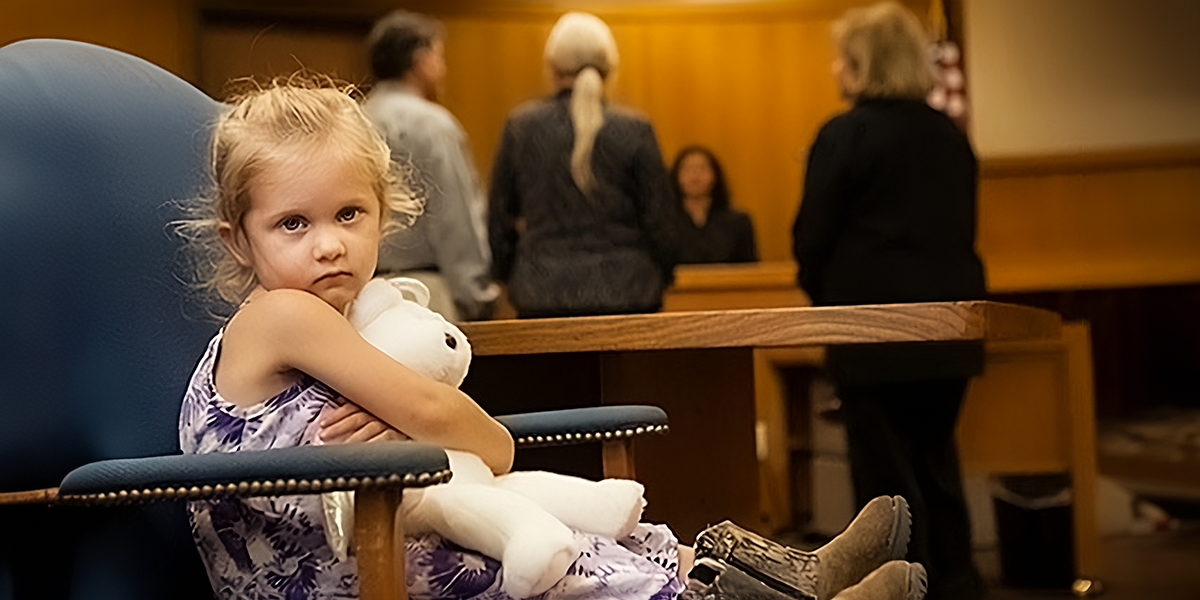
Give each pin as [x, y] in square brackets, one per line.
[313, 225]
[696, 176]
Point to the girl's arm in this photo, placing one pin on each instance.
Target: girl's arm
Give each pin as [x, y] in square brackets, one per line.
[284, 332]
[350, 423]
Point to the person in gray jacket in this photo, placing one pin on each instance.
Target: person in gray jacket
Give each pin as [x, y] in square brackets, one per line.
[446, 248]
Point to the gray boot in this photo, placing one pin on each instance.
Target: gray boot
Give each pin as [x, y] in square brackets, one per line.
[728, 583]
[726, 546]
[879, 534]
[895, 580]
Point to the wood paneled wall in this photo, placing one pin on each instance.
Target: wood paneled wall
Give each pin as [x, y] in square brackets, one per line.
[160, 31]
[1124, 221]
[750, 80]
[754, 88]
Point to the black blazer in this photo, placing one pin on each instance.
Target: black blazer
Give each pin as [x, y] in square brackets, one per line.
[888, 212]
[727, 237]
[563, 253]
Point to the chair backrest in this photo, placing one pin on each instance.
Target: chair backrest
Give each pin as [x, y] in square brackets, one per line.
[98, 335]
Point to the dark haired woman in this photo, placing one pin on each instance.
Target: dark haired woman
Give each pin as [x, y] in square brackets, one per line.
[710, 231]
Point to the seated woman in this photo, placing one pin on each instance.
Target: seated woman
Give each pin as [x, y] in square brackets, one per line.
[710, 230]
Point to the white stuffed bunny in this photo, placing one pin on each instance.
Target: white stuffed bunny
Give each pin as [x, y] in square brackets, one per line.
[523, 519]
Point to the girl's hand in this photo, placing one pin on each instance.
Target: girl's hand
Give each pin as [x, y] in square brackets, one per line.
[350, 423]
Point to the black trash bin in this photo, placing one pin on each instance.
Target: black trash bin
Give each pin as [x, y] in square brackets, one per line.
[1035, 529]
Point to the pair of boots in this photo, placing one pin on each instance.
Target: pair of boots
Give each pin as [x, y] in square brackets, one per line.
[864, 562]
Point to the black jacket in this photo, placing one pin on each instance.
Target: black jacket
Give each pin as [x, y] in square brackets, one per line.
[726, 237]
[888, 212]
[563, 253]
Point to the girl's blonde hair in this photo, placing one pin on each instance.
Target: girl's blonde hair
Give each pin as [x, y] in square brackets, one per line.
[583, 46]
[302, 117]
[886, 50]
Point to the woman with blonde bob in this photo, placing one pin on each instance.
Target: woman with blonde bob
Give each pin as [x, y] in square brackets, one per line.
[883, 52]
[586, 182]
[888, 216]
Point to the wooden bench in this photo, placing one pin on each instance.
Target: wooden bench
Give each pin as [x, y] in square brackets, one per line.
[713, 372]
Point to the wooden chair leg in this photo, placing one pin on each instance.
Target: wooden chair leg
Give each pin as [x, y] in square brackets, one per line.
[617, 456]
[379, 534]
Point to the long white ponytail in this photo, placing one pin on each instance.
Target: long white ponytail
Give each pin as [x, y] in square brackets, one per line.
[582, 45]
[587, 114]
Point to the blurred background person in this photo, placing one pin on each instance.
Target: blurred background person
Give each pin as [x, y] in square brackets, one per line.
[580, 202]
[889, 215]
[710, 230]
[446, 248]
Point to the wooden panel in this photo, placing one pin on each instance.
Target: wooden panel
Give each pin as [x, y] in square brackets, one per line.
[1081, 398]
[513, 384]
[754, 89]
[764, 328]
[748, 276]
[237, 48]
[1014, 417]
[1116, 227]
[493, 65]
[774, 437]
[676, 300]
[163, 33]
[1156, 157]
[704, 471]
[1033, 410]
[735, 286]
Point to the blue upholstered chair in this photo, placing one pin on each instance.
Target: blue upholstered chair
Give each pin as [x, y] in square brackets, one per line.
[98, 342]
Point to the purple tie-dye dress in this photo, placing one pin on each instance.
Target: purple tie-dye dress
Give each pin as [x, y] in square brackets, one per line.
[275, 548]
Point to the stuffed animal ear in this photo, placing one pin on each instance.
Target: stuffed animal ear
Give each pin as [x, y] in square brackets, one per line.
[412, 287]
[375, 297]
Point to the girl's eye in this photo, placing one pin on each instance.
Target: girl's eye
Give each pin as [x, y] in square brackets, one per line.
[291, 223]
[349, 214]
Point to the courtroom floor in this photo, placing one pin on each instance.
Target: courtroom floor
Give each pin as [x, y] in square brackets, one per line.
[1157, 566]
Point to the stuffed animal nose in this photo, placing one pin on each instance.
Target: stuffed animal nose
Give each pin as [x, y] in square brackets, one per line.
[451, 342]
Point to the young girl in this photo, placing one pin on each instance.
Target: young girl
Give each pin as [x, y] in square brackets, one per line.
[303, 188]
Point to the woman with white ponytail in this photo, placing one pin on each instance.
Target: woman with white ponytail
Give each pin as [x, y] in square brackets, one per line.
[578, 48]
[579, 219]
